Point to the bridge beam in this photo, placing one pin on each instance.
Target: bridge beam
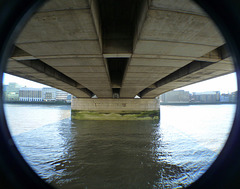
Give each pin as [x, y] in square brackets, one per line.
[115, 109]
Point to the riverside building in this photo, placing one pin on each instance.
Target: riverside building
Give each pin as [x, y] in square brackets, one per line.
[11, 92]
[61, 95]
[49, 94]
[30, 94]
[206, 97]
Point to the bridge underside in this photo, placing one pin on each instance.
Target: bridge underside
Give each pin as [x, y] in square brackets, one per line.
[119, 49]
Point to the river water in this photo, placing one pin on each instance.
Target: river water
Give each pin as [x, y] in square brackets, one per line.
[120, 154]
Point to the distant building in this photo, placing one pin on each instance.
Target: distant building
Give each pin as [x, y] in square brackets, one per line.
[225, 98]
[69, 98]
[49, 94]
[178, 96]
[61, 95]
[206, 97]
[14, 92]
[233, 97]
[30, 94]
[11, 92]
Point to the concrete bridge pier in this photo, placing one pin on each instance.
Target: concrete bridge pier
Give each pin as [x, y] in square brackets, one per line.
[115, 109]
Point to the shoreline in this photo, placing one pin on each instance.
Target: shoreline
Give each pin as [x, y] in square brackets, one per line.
[39, 102]
[161, 103]
[196, 103]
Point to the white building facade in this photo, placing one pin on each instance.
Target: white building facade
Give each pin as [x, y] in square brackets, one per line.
[49, 94]
[30, 94]
[43, 94]
[61, 95]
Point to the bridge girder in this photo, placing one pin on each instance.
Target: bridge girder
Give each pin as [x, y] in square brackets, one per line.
[129, 47]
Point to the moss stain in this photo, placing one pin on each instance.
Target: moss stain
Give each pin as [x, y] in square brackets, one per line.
[92, 115]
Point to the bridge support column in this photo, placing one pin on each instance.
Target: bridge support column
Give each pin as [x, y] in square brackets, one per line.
[115, 109]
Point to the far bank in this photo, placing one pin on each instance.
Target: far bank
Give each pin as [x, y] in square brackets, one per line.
[39, 102]
[195, 103]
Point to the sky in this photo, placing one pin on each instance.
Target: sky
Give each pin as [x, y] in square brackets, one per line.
[7, 78]
[224, 84]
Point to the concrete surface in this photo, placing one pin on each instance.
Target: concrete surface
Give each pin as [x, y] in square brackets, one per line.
[74, 43]
[115, 109]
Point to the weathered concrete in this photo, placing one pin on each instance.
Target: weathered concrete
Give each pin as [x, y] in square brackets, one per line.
[115, 109]
[134, 47]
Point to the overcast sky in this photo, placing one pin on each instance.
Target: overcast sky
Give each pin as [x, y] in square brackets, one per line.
[7, 78]
[224, 84]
